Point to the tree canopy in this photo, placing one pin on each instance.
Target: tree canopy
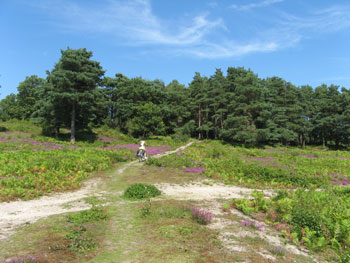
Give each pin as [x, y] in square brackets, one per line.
[238, 107]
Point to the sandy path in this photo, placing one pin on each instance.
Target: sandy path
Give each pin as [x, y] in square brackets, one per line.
[17, 213]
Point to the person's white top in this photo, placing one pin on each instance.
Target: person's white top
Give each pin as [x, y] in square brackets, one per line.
[142, 145]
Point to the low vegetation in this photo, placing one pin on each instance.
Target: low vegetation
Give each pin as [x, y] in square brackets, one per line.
[141, 191]
[311, 207]
[316, 215]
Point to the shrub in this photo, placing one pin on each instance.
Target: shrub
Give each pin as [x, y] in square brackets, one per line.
[203, 217]
[302, 218]
[141, 191]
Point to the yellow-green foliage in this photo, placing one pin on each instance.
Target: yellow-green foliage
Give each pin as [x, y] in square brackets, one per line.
[28, 174]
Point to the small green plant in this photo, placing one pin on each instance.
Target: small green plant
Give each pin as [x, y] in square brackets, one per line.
[345, 257]
[226, 207]
[79, 243]
[245, 205]
[313, 241]
[141, 191]
[92, 215]
[146, 209]
[260, 202]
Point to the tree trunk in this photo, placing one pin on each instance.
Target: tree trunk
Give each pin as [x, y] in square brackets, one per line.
[199, 121]
[207, 118]
[221, 122]
[72, 125]
[57, 131]
[323, 141]
[112, 118]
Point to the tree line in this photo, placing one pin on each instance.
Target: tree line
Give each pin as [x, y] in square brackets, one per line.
[237, 107]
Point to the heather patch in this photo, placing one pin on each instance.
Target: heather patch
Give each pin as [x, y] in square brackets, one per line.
[25, 259]
[253, 224]
[339, 179]
[194, 170]
[202, 216]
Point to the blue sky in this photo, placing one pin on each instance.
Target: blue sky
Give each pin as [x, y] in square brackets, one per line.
[302, 41]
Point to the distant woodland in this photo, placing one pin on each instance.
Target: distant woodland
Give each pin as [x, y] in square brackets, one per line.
[237, 106]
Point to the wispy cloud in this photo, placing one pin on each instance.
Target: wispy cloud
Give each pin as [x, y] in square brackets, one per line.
[134, 23]
[256, 5]
[229, 49]
[291, 30]
[331, 19]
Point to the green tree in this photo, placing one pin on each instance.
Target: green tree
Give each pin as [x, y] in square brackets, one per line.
[199, 95]
[285, 110]
[327, 121]
[28, 95]
[176, 107]
[148, 121]
[9, 108]
[74, 80]
[218, 103]
[245, 106]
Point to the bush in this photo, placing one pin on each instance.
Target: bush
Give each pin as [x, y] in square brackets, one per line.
[141, 191]
[302, 218]
[180, 137]
[203, 217]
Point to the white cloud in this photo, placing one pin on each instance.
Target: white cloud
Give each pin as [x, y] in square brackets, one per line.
[256, 5]
[291, 30]
[134, 22]
[229, 49]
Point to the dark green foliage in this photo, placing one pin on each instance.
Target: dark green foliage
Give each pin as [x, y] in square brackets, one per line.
[70, 96]
[239, 108]
[302, 218]
[281, 194]
[345, 258]
[78, 242]
[9, 108]
[28, 95]
[148, 121]
[141, 191]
